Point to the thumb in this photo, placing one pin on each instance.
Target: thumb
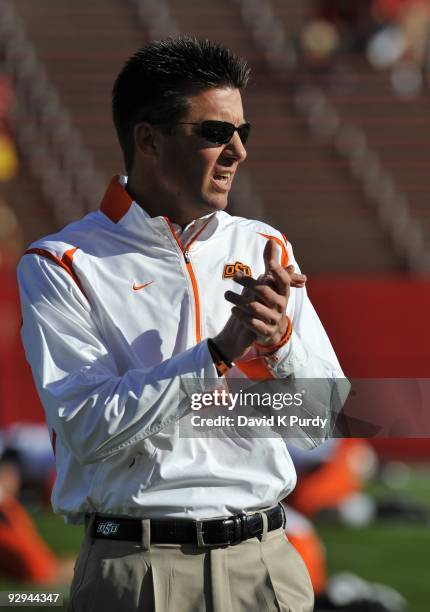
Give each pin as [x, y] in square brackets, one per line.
[270, 256]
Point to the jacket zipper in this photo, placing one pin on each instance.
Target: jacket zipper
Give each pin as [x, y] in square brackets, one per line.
[195, 293]
[185, 251]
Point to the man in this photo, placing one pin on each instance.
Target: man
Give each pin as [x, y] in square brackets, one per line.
[125, 318]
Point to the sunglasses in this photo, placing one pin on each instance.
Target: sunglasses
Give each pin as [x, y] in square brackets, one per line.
[220, 132]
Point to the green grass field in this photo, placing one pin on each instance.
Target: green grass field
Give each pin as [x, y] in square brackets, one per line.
[393, 553]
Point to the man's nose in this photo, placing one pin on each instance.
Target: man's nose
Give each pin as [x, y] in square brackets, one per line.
[235, 148]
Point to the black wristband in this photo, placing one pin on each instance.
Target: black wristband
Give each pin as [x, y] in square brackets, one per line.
[221, 363]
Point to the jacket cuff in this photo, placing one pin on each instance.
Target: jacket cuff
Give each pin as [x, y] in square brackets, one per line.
[269, 349]
[289, 358]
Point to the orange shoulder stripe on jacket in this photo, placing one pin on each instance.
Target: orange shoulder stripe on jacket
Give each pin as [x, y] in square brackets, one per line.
[66, 262]
[284, 256]
[116, 201]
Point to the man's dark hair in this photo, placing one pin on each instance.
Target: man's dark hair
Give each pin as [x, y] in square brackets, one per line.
[155, 82]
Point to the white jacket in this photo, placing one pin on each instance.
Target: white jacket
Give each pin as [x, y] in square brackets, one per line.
[115, 312]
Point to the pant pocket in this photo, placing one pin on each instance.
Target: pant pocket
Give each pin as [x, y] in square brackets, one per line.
[288, 574]
[84, 578]
[125, 584]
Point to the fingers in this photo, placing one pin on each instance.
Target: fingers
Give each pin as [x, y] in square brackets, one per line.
[297, 280]
[270, 255]
[247, 303]
[256, 325]
[257, 293]
[245, 320]
[261, 307]
[274, 269]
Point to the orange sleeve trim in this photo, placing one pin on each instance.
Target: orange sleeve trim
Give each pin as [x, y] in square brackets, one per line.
[255, 369]
[268, 349]
[66, 262]
[284, 254]
[116, 201]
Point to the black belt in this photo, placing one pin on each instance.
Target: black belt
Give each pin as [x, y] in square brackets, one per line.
[211, 532]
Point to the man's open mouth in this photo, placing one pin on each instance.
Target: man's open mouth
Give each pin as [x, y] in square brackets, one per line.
[222, 177]
[222, 180]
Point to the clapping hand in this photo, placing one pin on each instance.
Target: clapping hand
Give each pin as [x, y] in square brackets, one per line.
[259, 312]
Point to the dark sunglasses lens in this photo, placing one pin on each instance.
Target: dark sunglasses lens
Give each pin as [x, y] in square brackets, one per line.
[221, 132]
[217, 132]
[243, 132]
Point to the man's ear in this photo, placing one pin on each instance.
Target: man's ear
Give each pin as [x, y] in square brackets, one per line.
[145, 138]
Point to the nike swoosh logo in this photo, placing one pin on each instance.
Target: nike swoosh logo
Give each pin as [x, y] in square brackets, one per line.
[139, 287]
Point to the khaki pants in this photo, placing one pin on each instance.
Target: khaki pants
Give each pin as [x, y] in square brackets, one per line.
[259, 575]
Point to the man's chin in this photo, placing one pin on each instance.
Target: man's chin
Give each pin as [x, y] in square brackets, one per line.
[215, 202]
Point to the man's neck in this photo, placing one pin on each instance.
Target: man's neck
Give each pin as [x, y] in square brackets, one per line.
[163, 207]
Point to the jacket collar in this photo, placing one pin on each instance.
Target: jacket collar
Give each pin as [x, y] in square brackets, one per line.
[117, 204]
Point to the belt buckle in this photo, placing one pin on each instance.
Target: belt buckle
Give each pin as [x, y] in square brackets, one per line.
[239, 528]
[199, 529]
[200, 539]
